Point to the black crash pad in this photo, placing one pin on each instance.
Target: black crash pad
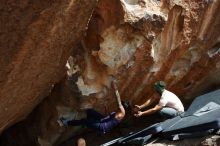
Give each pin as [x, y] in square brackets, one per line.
[147, 132]
[202, 115]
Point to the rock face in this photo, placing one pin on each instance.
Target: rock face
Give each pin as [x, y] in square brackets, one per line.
[137, 42]
[36, 39]
[147, 41]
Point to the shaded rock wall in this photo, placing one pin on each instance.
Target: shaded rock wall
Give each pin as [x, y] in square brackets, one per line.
[40, 127]
[137, 42]
[36, 39]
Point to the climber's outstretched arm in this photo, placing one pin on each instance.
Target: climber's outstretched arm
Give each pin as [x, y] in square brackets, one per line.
[121, 112]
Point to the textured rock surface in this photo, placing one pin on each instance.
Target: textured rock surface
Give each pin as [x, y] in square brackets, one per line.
[136, 41]
[175, 41]
[213, 140]
[36, 38]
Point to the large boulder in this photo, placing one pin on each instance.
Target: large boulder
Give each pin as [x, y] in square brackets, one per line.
[36, 39]
[137, 42]
[140, 42]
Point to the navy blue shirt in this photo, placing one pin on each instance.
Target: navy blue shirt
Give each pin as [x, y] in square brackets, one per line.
[107, 123]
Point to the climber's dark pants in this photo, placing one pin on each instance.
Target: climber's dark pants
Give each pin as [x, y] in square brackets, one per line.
[92, 120]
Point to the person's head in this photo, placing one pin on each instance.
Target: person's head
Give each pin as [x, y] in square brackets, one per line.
[81, 142]
[126, 105]
[160, 86]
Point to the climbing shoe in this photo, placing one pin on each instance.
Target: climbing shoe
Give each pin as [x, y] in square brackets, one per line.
[62, 122]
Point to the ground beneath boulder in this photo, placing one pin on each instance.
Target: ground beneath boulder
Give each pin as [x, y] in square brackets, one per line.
[95, 139]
